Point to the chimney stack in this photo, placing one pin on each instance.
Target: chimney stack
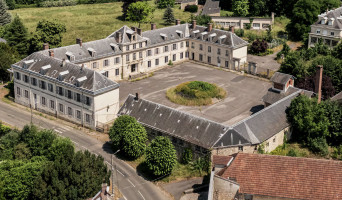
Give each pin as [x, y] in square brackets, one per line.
[136, 97]
[178, 22]
[153, 26]
[118, 37]
[232, 29]
[318, 84]
[210, 27]
[63, 62]
[51, 53]
[194, 22]
[45, 46]
[139, 31]
[79, 41]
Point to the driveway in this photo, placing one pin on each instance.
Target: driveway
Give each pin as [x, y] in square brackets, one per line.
[243, 99]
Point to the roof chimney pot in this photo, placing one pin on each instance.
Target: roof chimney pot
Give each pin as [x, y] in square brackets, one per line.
[153, 26]
[136, 97]
[178, 22]
[139, 31]
[51, 53]
[79, 41]
[45, 46]
[194, 23]
[210, 27]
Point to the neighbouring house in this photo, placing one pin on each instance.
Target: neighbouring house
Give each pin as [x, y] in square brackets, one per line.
[260, 176]
[327, 28]
[65, 90]
[185, 3]
[211, 8]
[129, 51]
[243, 22]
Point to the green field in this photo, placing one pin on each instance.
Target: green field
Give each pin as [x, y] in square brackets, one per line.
[89, 22]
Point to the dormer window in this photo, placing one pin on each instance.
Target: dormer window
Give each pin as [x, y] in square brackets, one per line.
[164, 36]
[180, 33]
[44, 69]
[79, 81]
[221, 38]
[323, 21]
[331, 21]
[113, 46]
[92, 52]
[27, 63]
[62, 75]
[318, 31]
[203, 34]
[211, 36]
[70, 56]
[195, 32]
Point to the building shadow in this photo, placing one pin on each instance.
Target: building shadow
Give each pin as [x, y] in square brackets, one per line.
[257, 108]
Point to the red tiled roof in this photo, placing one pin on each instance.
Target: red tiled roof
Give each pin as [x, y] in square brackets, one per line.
[289, 177]
[221, 160]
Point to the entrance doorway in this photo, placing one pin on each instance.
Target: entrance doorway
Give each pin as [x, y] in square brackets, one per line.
[134, 68]
[193, 56]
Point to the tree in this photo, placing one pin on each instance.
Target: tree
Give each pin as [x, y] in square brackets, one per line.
[187, 156]
[165, 3]
[294, 65]
[5, 17]
[134, 140]
[139, 11]
[303, 15]
[329, 4]
[169, 18]
[309, 82]
[161, 156]
[16, 36]
[8, 56]
[61, 148]
[257, 7]
[10, 4]
[201, 19]
[50, 32]
[116, 132]
[337, 51]
[284, 51]
[259, 46]
[333, 111]
[240, 8]
[125, 5]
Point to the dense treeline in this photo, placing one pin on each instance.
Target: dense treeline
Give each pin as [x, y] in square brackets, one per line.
[37, 164]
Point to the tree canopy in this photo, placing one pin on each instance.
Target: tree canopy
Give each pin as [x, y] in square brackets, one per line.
[169, 17]
[139, 12]
[5, 17]
[165, 3]
[16, 36]
[134, 140]
[8, 56]
[240, 8]
[116, 132]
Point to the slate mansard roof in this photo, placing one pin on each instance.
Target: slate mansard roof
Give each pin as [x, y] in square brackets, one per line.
[285, 177]
[72, 75]
[336, 15]
[172, 32]
[187, 127]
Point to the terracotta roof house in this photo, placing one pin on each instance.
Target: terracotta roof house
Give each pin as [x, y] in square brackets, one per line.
[260, 176]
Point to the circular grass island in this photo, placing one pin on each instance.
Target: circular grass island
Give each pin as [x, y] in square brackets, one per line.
[195, 93]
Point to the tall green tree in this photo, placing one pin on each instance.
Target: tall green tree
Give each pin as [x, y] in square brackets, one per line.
[169, 17]
[165, 3]
[116, 132]
[240, 8]
[304, 14]
[139, 12]
[329, 4]
[50, 32]
[257, 8]
[125, 5]
[294, 65]
[8, 56]
[16, 36]
[5, 17]
[134, 140]
[161, 156]
[10, 4]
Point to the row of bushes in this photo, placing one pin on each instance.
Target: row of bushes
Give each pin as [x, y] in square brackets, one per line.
[59, 3]
[191, 8]
[16, 4]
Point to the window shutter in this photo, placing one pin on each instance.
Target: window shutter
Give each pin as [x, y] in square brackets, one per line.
[75, 96]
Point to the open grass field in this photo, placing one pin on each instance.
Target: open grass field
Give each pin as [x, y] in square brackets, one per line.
[89, 22]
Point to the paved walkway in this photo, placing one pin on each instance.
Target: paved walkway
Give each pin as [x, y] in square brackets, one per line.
[176, 189]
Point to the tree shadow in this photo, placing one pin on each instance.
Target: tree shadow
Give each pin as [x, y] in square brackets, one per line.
[257, 108]
[144, 172]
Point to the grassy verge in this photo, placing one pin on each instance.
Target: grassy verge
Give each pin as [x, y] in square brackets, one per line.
[226, 13]
[85, 21]
[294, 150]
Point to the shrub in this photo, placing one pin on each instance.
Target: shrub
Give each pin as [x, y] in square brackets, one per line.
[201, 165]
[240, 32]
[258, 46]
[319, 145]
[60, 3]
[161, 156]
[117, 130]
[191, 8]
[134, 140]
[187, 156]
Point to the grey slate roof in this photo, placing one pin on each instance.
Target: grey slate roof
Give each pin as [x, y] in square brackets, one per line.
[273, 96]
[170, 31]
[230, 39]
[281, 78]
[267, 122]
[3, 40]
[335, 14]
[95, 83]
[187, 127]
[211, 7]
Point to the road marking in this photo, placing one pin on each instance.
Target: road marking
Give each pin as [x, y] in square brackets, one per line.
[141, 195]
[58, 131]
[66, 128]
[131, 182]
[120, 173]
[125, 198]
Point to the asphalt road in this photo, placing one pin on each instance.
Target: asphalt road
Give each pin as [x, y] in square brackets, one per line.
[131, 185]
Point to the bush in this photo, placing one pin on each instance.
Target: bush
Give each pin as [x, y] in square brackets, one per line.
[161, 156]
[191, 8]
[319, 145]
[116, 132]
[240, 32]
[134, 140]
[60, 3]
[187, 156]
[258, 46]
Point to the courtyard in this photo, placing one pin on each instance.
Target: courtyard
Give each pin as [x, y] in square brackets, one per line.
[244, 94]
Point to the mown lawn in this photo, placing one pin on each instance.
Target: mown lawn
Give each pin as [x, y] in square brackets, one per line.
[89, 22]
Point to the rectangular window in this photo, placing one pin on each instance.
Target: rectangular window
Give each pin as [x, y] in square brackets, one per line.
[78, 114]
[105, 63]
[149, 64]
[87, 116]
[149, 52]
[18, 91]
[52, 104]
[140, 45]
[134, 56]
[117, 72]
[60, 91]
[332, 33]
[201, 47]
[218, 51]
[69, 94]
[209, 59]
[94, 65]
[166, 49]
[187, 54]
[240, 148]
[182, 44]
[26, 94]
[156, 51]
[50, 87]
[318, 31]
[127, 57]
[134, 46]
[227, 53]
[43, 85]
[117, 60]
[157, 62]
[187, 43]
[140, 54]
[70, 111]
[181, 55]
[174, 56]
[87, 101]
[127, 48]
[17, 75]
[105, 74]
[201, 57]
[226, 64]
[192, 45]
[209, 49]
[166, 59]
[174, 46]
[26, 79]
[78, 97]
[218, 60]
[34, 81]
[61, 108]
[43, 101]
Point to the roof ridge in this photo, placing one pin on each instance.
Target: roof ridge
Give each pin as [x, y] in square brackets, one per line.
[166, 27]
[267, 108]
